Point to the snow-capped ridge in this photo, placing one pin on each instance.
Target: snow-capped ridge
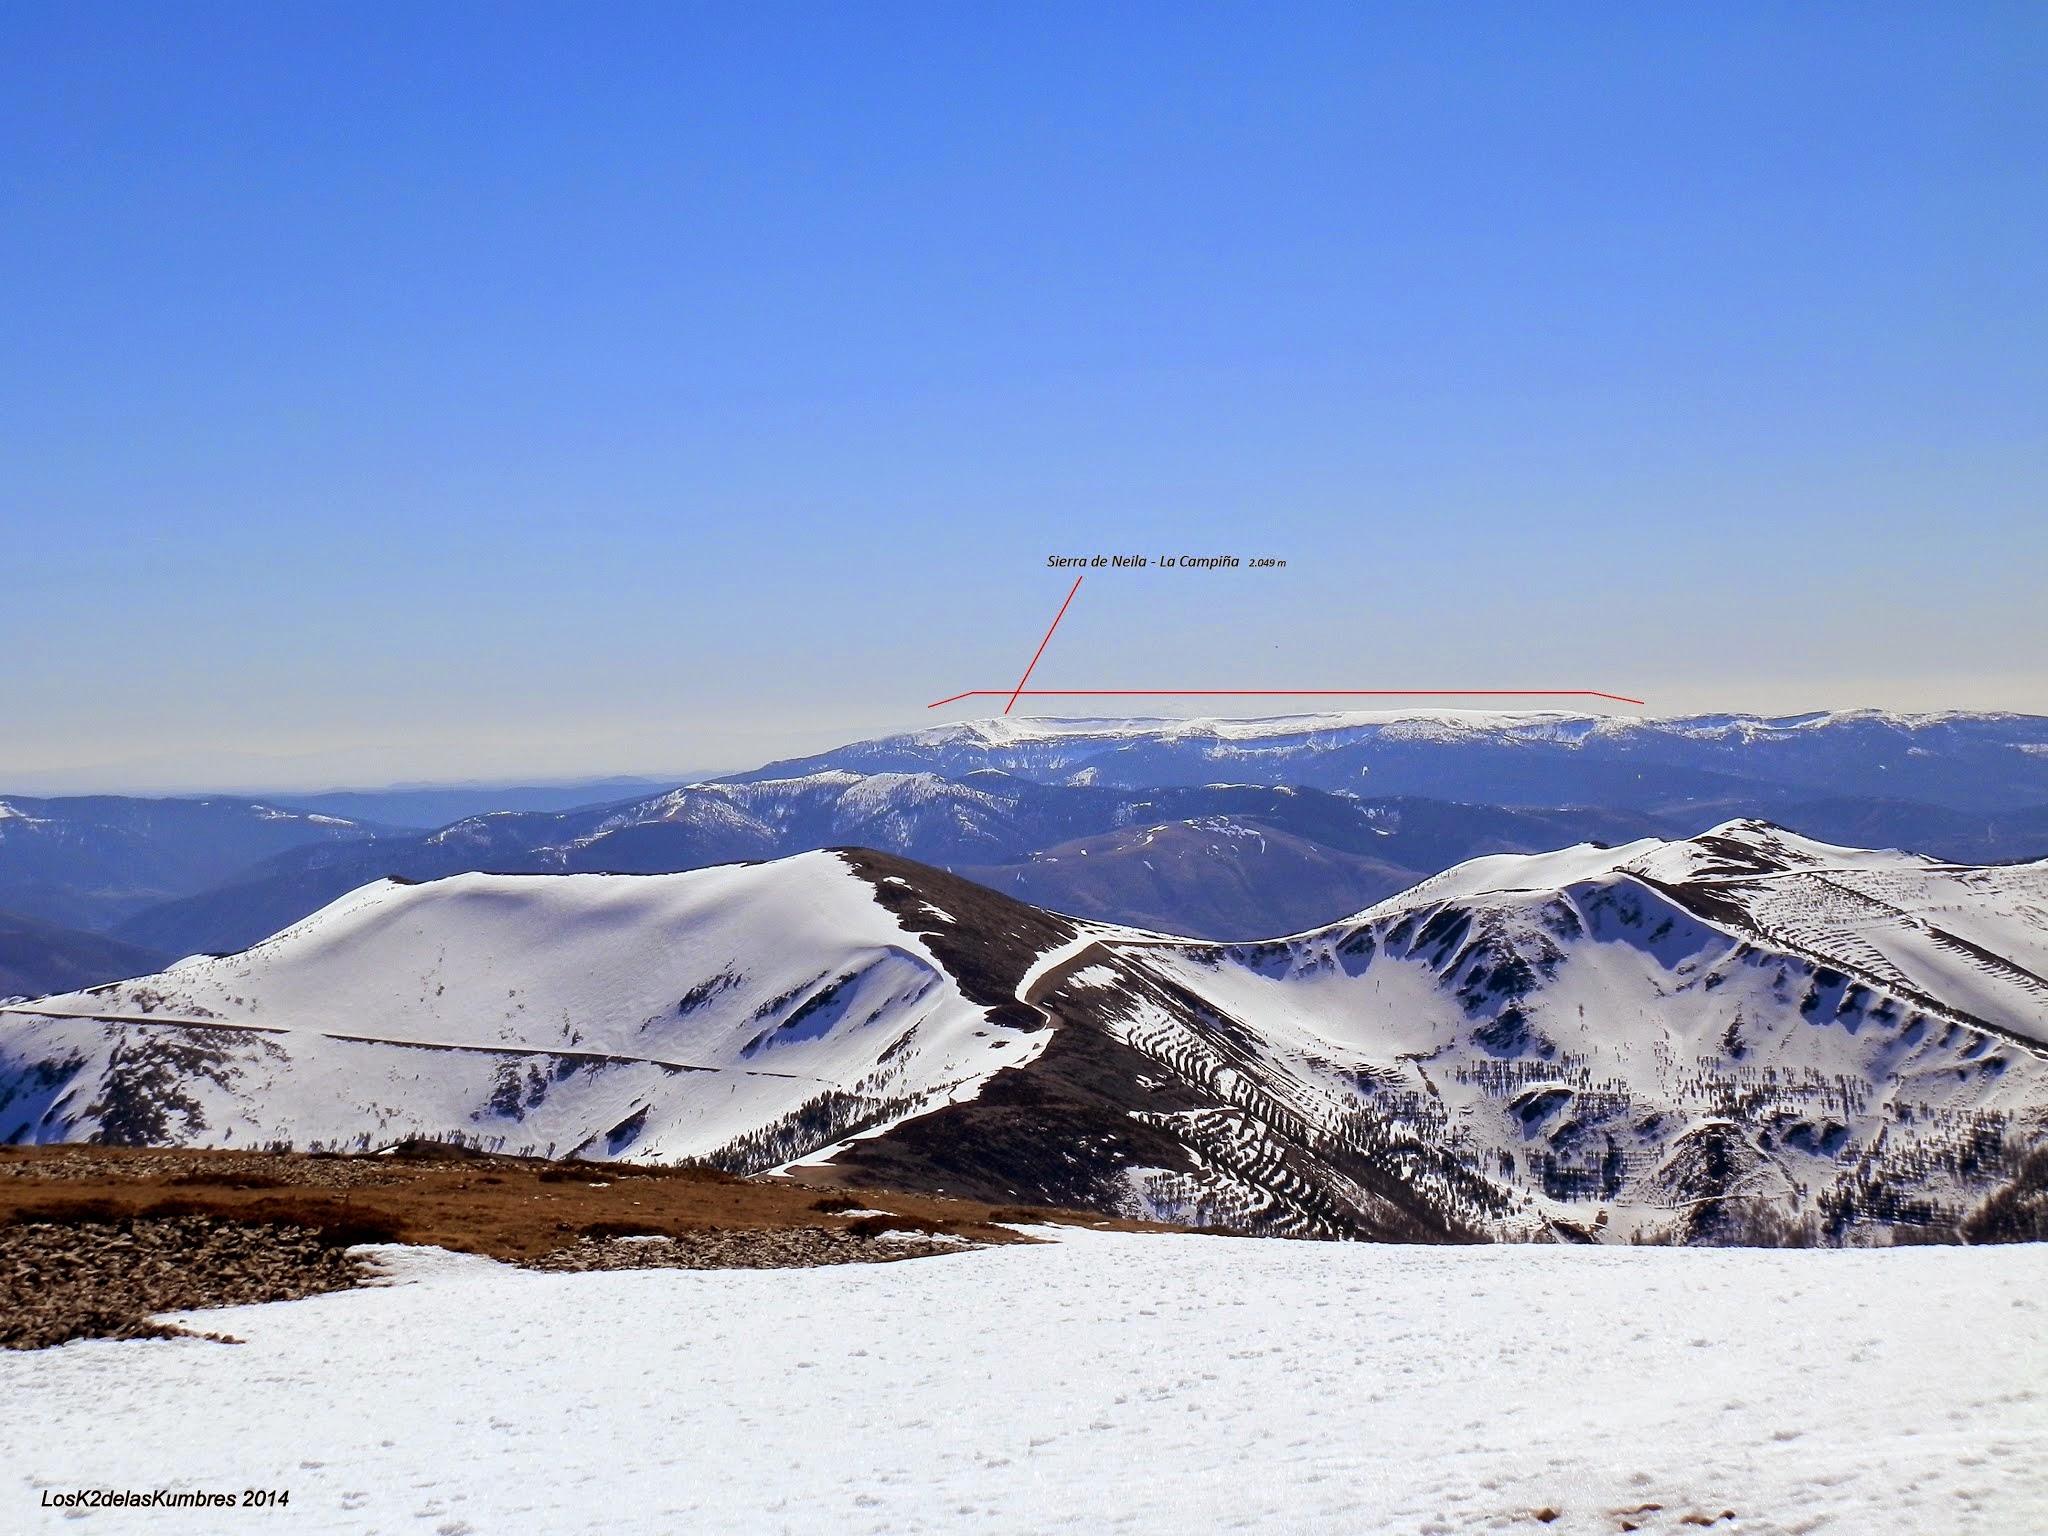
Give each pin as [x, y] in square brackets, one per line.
[1743, 848]
[1970, 761]
[562, 1012]
[1596, 1041]
[1424, 724]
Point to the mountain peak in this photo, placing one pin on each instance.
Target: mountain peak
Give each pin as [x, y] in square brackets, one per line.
[1491, 1054]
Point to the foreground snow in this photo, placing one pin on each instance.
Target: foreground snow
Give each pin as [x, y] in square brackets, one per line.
[1103, 1382]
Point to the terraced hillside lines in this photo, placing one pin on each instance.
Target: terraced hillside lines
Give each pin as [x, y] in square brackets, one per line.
[1886, 928]
[1146, 1100]
[1598, 1046]
[1273, 1135]
[1742, 1035]
[1276, 1153]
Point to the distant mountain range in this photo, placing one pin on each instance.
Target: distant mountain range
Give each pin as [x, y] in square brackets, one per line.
[1984, 764]
[422, 807]
[1210, 829]
[1740, 1035]
[1223, 861]
[91, 861]
[38, 957]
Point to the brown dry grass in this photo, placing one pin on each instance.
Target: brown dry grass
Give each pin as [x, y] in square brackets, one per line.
[506, 1208]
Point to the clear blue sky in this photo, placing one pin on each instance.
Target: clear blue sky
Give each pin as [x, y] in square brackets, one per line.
[411, 391]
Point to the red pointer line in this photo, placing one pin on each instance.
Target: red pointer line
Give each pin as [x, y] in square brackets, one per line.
[1274, 693]
[1041, 649]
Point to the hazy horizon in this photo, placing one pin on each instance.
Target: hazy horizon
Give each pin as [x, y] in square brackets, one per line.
[524, 393]
[255, 775]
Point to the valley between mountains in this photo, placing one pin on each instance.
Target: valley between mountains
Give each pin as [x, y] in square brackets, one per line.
[1216, 829]
[1745, 1035]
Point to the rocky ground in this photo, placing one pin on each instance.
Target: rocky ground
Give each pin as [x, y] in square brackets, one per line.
[790, 1248]
[104, 1280]
[233, 1170]
[97, 1241]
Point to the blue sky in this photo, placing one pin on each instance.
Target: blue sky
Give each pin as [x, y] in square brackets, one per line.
[402, 392]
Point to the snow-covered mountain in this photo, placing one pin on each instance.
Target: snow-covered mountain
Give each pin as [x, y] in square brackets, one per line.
[1218, 876]
[1744, 1032]
[1213, 828]
[1961, 761]
[739, 1014]
[1294, 856]
[1647, 1035]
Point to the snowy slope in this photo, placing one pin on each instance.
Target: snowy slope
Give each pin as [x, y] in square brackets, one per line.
[1105, 1382]
[1309, 872]
[1742, 1034]
[1635, 1035]
[1971, 942]
[1445, 725]
[1975, 762]
[747, 1012]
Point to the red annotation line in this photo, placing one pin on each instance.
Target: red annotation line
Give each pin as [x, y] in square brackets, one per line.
[1020, 691]
[1284, 693]
[1014, 692]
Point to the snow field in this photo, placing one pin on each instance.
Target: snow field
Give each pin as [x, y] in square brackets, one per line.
[1101, 1382]
[657, 1017]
